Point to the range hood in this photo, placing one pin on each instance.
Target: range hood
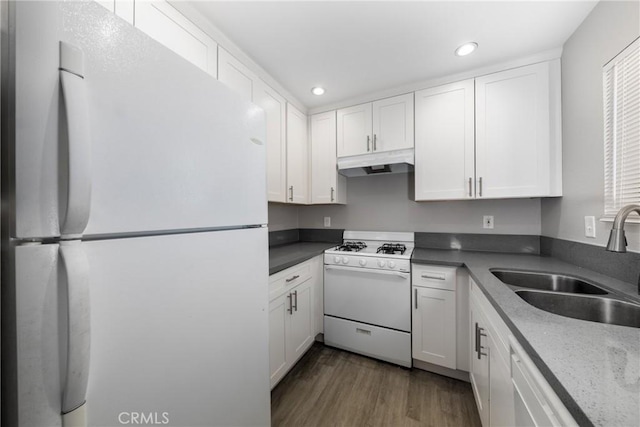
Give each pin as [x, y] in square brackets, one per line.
[397, 161]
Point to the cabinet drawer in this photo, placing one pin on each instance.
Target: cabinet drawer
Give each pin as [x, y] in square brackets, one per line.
[431, 276]
[286, 279]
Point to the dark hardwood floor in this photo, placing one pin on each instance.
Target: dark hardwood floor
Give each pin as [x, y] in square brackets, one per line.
[330, 387]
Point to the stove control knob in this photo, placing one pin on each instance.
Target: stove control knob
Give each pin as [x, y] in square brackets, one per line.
[336, 259]
[392, 264]
[381, 263]
[345, 260]
[363, 262]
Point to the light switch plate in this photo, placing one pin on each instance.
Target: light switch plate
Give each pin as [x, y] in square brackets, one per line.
[327, 221]
[487, 221]
[590, 226]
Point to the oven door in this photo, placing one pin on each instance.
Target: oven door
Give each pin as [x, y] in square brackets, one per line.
[376, 297]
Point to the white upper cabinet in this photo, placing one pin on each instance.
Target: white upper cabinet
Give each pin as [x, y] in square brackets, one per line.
[297, 157]
[354, 130]
[326, 185]
[444, 168]
[517, 132]
[393, 123]
[236, 75]
[517, 150]
[383, 125]
[275, 108]
[166, 25]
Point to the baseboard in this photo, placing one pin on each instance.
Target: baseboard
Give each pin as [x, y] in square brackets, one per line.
[441, 370]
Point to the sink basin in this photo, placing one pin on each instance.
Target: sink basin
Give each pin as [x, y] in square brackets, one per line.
[594, 309]
[547, 282]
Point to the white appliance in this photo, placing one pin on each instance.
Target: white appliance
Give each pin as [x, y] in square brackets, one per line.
[136, 199]
[367, 295]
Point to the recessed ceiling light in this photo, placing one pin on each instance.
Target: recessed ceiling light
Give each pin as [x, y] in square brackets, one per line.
[466, 49]
[317, 90]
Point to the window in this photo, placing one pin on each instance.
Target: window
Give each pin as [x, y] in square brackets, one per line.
[621, 88]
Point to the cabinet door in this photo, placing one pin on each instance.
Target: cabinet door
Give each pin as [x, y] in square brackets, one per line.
[354, 130]
[479, 361]
[513, 133]
[279, 314]
[301, 334]
[501, 397]
[317, 275]
[323, 158]
[165, 24]
[235, 75]
[434, 326]
[297, 157]
[275, 109]
[393, 123]
[445, 152]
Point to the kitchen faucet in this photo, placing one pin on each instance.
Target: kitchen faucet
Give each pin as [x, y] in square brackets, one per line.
[617, 239]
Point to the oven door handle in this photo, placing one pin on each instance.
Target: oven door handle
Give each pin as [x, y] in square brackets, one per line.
[368, 270]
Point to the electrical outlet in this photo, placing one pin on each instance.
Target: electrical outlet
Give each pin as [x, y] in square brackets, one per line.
[327, 221]
[487, 221]
[590, 226]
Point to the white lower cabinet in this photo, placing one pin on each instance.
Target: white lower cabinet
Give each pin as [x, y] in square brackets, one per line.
[508, 388]
[479, 361]
[292, 316]
[433, 336]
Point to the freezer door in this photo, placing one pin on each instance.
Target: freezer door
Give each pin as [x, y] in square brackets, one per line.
[119, 134]
[178, 330]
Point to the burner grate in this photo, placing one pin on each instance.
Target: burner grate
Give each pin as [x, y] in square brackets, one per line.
[351, 247]
[392, 249]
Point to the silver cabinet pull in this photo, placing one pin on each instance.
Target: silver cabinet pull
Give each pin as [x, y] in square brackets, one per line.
[415, 297]
[290, 309]
[332, 192]
[368, 143]
[479, 346]
[433, 276]
[477, 339]
[480, 186]
[363, 331]
[470, 194]
[291, 193]
[295, 297]
[375, 145]
[291, 279]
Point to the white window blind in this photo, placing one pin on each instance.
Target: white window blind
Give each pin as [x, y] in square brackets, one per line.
[621, 81]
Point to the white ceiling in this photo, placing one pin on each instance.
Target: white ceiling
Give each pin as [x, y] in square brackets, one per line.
[353, 48]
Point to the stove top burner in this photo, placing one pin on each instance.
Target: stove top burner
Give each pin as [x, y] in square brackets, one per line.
[351, 247]
[392, 248]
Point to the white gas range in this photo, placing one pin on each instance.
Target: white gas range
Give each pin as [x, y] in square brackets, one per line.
[367, 295]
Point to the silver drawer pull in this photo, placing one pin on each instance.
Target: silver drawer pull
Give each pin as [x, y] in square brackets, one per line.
[363, 331]
[293, 278]
[433, 276]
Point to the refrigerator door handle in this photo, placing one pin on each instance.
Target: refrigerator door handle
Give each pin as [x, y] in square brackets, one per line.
[76, 267]
[78, 197]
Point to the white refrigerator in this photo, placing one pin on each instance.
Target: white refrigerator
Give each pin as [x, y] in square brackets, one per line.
[135, 261]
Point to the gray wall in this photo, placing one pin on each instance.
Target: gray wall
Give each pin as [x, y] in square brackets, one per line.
[282, 217]
[384, 203]
[609, 28]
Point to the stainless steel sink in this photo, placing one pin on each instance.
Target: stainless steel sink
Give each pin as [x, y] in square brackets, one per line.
[594, 309]
[547, 282]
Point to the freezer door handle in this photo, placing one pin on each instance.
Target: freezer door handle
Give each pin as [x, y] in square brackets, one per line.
[78, 200]
[76, 269]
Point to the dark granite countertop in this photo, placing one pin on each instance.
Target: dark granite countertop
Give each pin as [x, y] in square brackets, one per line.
[287, 255]
[594, 368]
